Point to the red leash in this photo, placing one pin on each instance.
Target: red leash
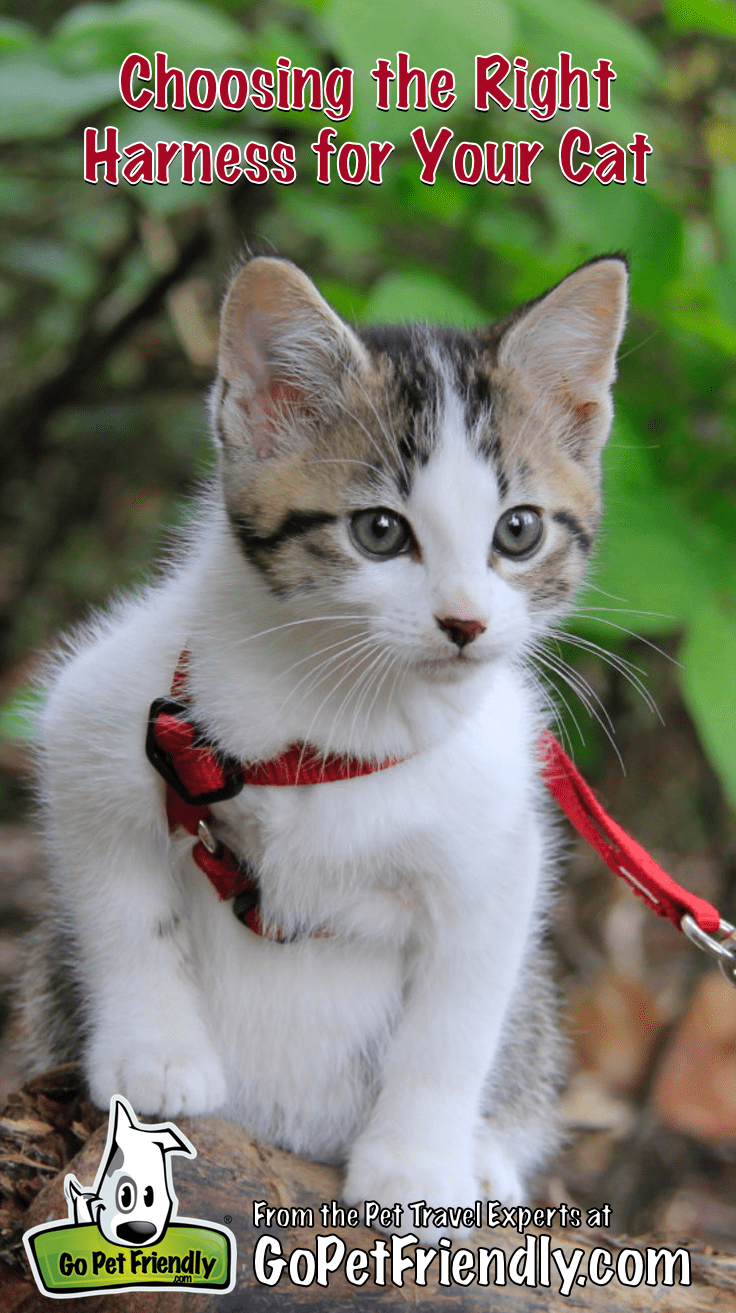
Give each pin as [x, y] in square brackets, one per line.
[197, 774]
[697, 919]
[619, 851]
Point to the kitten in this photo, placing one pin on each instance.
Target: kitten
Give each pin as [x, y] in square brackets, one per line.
[399, 515]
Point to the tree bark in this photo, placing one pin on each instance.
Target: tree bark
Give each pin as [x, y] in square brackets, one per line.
[232, 1170]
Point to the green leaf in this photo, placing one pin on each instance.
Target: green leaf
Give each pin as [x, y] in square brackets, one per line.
[18, 716]
[37, 100]
[644, 564]
[275, 39]
[589, 32]
[15, 35]
[709, 683]
[341, 227]
[69, 270]
[702, 16]
[100, 36]
[710, 326]
[433, 34]
[349, 240]
[724, 207]
[724, 204]
[651, 560]
[637, 220]
[404, 298]
[18, 195]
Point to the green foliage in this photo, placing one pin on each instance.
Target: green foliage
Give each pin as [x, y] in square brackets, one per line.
[703, 16]
[399, 298]
[100, 36]
[708, 662]
[591, 30]
[83, 276]
[36, 96]
[435, 34]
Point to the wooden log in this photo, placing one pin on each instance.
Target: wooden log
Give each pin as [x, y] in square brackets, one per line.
[232, 1170]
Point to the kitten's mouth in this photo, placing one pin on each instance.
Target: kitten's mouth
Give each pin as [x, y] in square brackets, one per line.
[455, 665]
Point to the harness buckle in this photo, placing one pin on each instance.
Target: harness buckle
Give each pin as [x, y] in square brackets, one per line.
[162, 761]
[722, 950]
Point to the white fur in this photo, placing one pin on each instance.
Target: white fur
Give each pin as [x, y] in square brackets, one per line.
[374, 1045]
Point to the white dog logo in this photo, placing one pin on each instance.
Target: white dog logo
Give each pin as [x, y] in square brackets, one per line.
[133, 1197]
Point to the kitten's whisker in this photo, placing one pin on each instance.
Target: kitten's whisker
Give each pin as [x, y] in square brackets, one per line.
[637, 346]
[617, 662]
[584, 692]
[583, 683]
[338, 660]
[546, 690]
[363, 685]
[351, 671]
[590, 644]
[313, 678]
[323, 669]
[309, 620]
[312, 656]
[378, 678]
[564, 699]
[614, 597]
[359, 692]
[402, 666]
[601, 620]
[580, 686]
[622, 610]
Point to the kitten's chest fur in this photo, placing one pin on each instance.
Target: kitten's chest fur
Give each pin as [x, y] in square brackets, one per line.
[371, 855]
[363, 873]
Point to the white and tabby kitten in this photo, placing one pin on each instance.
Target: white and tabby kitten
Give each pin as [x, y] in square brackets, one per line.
[399, 516]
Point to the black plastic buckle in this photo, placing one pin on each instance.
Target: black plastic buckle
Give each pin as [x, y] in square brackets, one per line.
[164, 764]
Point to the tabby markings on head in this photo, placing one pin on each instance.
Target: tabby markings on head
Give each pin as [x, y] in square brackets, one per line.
[316, 420]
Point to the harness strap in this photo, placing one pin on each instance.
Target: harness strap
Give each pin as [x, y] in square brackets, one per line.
[197, 774]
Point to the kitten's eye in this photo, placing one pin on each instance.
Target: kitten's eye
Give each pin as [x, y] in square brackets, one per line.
[518, 531]
[380, 532]
[126, 1195]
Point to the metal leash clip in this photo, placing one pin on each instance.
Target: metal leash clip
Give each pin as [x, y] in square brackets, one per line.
[723, 949]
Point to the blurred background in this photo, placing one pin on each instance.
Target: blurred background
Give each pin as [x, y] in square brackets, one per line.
[109, 299]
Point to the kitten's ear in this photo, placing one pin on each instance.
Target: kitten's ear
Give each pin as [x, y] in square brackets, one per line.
[282, 358]
[565, 344]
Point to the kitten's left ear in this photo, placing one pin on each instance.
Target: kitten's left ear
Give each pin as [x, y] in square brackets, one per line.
[565, 344]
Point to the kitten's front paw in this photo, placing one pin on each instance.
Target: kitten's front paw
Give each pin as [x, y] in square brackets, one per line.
[402, 1176]
[159, 1079]
[497, 1172]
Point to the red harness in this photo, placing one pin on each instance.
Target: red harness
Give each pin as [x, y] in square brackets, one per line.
[197, 774]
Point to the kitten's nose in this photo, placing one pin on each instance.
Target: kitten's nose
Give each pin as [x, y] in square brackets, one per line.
[459, 631]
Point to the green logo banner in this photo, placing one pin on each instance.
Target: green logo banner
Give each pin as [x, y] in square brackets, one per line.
[77, 1260]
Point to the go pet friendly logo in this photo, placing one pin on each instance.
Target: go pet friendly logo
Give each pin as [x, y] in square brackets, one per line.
[124, 1233]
